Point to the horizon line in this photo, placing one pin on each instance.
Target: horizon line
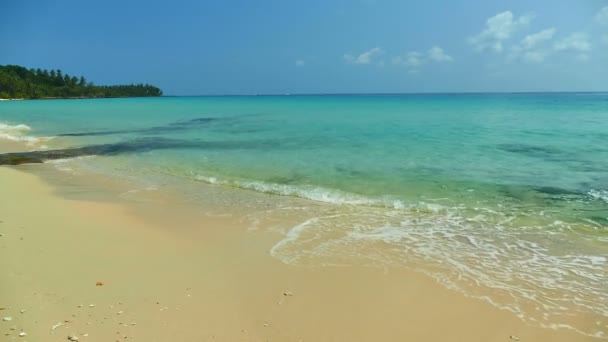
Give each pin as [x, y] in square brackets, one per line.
[399, 93]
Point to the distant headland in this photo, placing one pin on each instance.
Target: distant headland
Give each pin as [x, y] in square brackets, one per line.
[17, 82]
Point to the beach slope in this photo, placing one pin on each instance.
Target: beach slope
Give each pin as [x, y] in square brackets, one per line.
[101, 271]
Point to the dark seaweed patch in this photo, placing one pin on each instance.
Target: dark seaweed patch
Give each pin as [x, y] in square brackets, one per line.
[349, 172]
[286, 179]
[554, 191]
[172, 127]
[599, 219]
[529, 150]
[136, 146]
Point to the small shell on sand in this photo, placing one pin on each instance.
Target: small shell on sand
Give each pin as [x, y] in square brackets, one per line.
[91, 305]
[73, 338]
[22, 334]
[7, 318]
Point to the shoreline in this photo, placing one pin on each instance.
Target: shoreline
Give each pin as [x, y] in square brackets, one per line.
[79, 98]
[178, 272]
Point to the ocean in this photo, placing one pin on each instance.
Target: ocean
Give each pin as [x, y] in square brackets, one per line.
[503, 197]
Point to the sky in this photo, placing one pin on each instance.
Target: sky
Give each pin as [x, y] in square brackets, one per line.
[198, 47]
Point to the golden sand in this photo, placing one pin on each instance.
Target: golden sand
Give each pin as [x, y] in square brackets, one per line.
[103, 271]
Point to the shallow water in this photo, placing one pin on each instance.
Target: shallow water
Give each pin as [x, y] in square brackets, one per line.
[505, 195]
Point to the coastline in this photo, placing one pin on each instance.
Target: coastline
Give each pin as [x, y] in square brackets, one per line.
[171, 271]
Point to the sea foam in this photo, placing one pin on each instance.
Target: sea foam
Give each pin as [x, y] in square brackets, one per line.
[315, 193]
[19, 133]
[512, 266]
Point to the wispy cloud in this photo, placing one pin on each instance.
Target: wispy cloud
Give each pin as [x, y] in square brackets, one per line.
[499, 29]
[300, 62]
[532, 41]
[533, 47]
[438, 55]
[602, 16]
[576, 43]
[365, 57]
[413, 60]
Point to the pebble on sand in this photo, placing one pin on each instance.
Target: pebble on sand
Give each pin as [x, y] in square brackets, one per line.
[7, 318]
[22, 334]
[73, 338]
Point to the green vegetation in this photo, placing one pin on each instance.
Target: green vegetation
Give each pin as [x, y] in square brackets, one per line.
[17, 82]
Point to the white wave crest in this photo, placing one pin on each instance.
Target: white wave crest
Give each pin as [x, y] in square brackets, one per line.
[18, 133]
[513, 267]
[317, 193]
[599, 194]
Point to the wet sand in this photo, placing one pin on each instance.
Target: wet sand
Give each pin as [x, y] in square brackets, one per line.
[172, 273]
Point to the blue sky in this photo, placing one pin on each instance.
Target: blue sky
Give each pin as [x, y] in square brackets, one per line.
[190, 47]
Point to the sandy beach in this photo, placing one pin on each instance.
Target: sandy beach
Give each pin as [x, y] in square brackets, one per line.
[173, 273]
[284, 171]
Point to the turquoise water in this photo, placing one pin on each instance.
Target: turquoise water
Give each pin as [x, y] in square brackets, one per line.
[505, 194]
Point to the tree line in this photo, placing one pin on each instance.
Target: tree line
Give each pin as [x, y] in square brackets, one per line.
[17, 82]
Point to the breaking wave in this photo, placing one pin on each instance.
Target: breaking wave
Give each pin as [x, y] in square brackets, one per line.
[541, 271]
[19, 133]
[315, 193]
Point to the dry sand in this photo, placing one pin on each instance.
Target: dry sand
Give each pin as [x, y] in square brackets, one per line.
[172, 274]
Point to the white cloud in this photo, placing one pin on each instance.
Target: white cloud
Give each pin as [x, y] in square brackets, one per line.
[499, 29]
[532, 47]
[366, 57]
[438, 55]
[300, 62]
[533, 40]
[578, 42]
[414, 59]
[602, 16]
